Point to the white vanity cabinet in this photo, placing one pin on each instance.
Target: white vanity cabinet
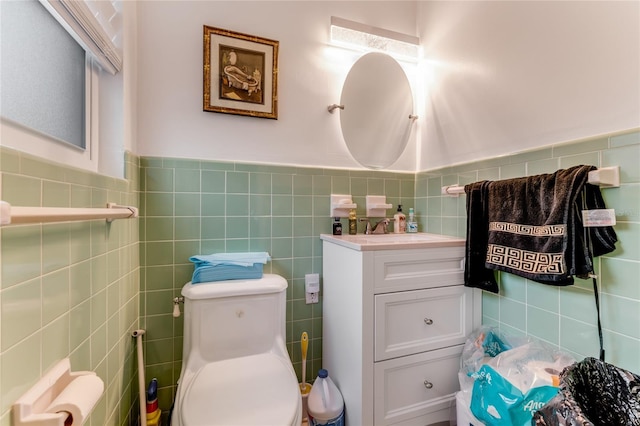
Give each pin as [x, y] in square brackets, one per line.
[396, 316]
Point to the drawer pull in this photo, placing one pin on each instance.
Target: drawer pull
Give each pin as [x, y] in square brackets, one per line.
[428, 384]
[428, 321]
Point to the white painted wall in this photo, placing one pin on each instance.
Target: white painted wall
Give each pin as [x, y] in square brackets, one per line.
[503, 77]
[170, 118]
[129, 77]
[499, 77]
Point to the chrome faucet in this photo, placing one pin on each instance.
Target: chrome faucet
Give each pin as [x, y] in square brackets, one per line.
[379, 228]
[367, 229]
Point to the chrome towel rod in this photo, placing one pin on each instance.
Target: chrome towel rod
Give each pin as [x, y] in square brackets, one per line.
[13, 215]
[606, 177]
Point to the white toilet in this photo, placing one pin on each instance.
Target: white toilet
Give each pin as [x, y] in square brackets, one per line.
[235, 365]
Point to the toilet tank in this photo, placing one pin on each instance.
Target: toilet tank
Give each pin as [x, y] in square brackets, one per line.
[230, 319]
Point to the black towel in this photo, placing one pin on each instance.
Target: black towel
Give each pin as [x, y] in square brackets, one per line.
[535, 227]
[475, 273]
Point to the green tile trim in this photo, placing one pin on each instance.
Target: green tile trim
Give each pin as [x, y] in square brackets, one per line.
[598, 144]
[9, 160]
[632, 138]
[177, 163]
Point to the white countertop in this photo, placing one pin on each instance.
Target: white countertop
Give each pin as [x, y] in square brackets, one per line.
[364, 242]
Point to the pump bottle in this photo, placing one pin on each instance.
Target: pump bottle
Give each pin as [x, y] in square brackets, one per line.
[399, 221]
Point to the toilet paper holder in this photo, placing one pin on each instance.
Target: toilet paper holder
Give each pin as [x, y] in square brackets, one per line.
[61, 397]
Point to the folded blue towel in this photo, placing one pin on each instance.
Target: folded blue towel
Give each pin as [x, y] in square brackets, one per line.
[228, 266]
[238, 259]
[205, 274]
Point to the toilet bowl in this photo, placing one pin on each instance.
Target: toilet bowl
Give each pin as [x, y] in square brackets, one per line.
[235, 365]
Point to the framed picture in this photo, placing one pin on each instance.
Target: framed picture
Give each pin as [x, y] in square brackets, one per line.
[240, 74]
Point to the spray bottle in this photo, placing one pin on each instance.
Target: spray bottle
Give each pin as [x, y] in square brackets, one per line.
[412, 225]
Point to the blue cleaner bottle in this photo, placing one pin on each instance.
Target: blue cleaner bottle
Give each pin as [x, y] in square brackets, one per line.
[153, 413]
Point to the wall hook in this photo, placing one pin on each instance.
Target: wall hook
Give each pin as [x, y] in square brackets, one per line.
[330, 108]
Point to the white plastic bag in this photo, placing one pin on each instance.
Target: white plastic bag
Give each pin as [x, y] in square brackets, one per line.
[509, 378]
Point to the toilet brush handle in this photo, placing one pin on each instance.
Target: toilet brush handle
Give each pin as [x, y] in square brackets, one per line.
[304, 342]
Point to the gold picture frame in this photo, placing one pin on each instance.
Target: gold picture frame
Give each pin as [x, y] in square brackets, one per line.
[240, 74]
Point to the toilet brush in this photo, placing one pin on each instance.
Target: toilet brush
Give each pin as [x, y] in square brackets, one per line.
[305, 387]
[304, 342]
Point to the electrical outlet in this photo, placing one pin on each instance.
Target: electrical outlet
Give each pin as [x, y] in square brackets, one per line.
[312, 288]
[311, 298]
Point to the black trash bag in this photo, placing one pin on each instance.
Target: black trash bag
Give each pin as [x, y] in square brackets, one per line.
[593, 393]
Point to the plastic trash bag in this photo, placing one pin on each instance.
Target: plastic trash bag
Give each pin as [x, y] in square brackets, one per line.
[482, 345]
[593, 392]
[509, 378]
[496, 401]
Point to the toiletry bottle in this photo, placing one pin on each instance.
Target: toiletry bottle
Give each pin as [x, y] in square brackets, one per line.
[337, 226]
[399, 221]
[153, 412]
[412, 225]
[353, 222]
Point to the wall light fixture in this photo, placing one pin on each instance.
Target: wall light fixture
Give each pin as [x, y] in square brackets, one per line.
[355, 35]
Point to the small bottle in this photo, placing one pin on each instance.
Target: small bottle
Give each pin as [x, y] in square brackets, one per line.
[353, 222]
[412, 225]
[337, 226]
[399, 221]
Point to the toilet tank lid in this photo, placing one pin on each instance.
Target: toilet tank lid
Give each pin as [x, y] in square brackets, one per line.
[269, 283]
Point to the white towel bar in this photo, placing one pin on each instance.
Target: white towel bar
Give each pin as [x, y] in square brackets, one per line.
[10, 215]
[606, 177]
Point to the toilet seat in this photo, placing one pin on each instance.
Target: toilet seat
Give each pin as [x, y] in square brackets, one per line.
[253, 390]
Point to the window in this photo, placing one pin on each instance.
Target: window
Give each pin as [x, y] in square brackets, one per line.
[43, 74]
[52, 55]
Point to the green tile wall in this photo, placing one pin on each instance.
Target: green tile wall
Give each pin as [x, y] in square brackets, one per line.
[194, 207]
[69, 289]
[78, 289]
[562, 316]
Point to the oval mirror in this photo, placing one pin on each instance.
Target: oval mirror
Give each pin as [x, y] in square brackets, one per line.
[378, 110]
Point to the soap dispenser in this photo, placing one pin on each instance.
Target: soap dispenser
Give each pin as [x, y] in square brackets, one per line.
[399, 221]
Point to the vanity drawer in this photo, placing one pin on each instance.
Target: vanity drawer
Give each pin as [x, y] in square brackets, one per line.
[421, 320]
[399, 270]
[416, 388]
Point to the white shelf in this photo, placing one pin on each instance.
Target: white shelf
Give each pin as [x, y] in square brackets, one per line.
[341, 204]
[377, 206]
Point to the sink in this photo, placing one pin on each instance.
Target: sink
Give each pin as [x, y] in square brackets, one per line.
[396, 238]
[391, 241]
